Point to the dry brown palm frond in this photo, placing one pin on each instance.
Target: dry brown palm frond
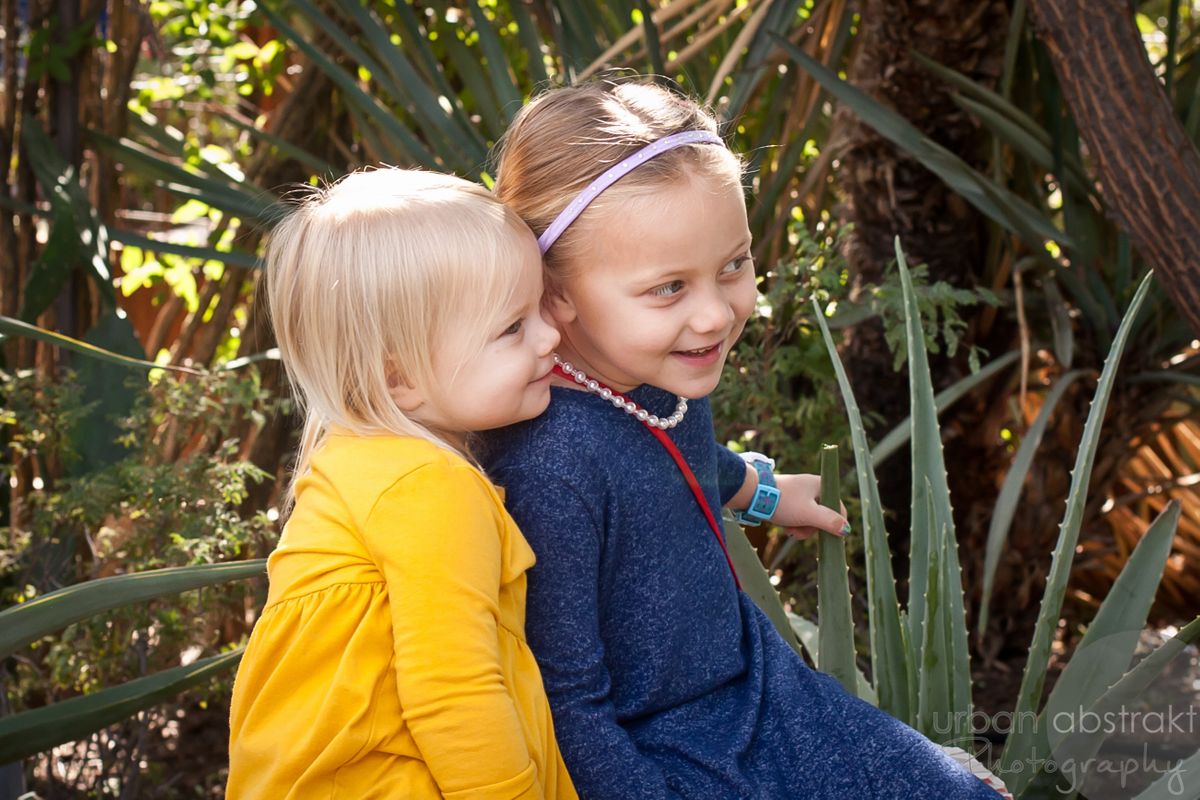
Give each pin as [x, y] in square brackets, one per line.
[1160, 468]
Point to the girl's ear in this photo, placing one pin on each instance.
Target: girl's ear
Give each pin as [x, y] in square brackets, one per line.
[408, 398]
[560, 307]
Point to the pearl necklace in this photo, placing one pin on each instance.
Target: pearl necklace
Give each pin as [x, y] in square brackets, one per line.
[622, 402]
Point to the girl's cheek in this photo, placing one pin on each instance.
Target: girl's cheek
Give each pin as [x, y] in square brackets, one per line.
[747, 297]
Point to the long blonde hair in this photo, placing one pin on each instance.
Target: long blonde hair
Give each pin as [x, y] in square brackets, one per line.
[366, 276]
[566, 138]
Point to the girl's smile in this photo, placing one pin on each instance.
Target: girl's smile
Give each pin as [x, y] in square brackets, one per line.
[702, 357]
[665, 291]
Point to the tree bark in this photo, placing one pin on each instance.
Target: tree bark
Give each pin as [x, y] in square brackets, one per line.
[1149, 170]
[887, 192]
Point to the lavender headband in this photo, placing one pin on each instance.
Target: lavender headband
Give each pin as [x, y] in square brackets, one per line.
[614, 174]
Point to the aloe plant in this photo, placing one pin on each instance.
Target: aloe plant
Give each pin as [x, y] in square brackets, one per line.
[30, 732]
[919, 654]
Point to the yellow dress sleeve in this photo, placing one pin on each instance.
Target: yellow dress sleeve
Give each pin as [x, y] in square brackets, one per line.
[435, 535]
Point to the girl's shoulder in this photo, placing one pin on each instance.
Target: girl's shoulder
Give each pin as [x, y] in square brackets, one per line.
[360, 469]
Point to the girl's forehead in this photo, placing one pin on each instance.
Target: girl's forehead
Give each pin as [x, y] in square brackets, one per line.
[678, 219]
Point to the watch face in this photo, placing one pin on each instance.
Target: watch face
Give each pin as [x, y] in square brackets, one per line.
[766, 498]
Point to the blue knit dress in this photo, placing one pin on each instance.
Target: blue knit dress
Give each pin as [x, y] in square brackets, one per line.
[664, 680]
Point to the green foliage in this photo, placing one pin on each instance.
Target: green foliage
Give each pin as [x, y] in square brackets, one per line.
[777, 393]
[47, 56]
[174, 499]
[210, 55]
[779, 375]
[939, 304]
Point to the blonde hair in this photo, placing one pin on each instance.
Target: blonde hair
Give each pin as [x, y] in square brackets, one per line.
[566, 138]
[365, 277]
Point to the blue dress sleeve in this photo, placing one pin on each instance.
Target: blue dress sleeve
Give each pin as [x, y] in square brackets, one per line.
[731, 472]
[563, 629]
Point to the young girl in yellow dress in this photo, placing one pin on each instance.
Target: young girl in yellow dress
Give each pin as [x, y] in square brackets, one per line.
[390, 659]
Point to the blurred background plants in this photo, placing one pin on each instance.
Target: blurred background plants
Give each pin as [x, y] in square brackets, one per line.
[144, 147]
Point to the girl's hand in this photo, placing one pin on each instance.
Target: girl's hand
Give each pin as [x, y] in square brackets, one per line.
[800, 512]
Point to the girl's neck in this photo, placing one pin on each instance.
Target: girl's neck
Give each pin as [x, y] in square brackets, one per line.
[569, 354]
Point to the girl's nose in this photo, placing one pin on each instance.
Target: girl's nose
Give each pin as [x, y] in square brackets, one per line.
[713, 313]
[547, 335]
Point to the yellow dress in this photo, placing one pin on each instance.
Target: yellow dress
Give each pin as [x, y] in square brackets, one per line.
[390, 660]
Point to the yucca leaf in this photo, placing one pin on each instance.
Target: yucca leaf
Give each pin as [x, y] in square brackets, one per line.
[170, 140]
[992, 199]
[531, 41]
[415, 39]
[237, 258]
[931, 512]
[28, 622]
[237, 199]
[15, 327]
[653, 44]
[889, 652]
[376, 145]
[1019, 746]
[755, 581]
[1119, 620]
[897, 437]
[1132, 685]
[1033, 147]
[809, 635]
[1006, 120]
[318, 165]
[1107, 648]
[957, 641]
[422, 102]
[474, 78]
[1181, 782]
[1060, 322]
[356, 98]
[833, 585]
[349, 45]
[779, 21]
[934, 697]
[31, 732]
[1010, 492]
[507, 93]
[77, 238]
[770, 189]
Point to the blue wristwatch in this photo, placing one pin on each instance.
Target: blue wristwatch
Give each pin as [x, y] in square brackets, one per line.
[766, 496]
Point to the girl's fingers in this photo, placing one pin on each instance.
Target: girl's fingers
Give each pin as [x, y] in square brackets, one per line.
[801, 533]
[829, 520]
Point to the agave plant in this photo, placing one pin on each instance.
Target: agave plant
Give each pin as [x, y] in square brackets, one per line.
[31, 732]
[919, 654]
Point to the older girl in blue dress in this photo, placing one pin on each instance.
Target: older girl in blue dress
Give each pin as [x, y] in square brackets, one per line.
[665, 680]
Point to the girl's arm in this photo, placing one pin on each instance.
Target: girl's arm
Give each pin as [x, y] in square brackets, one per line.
[799, 512]
[563, 626]
[435, 535]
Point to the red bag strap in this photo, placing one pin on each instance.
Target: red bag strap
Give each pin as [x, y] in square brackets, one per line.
[688, 476]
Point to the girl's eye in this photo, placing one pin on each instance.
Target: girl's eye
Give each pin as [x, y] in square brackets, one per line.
[514, 329]
[667, 289]
[736, 265]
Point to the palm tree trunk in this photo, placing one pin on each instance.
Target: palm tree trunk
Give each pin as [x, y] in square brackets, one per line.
[1149, 169]
[888, 193]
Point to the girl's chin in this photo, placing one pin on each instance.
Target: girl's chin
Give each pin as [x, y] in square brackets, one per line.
[693, 389]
